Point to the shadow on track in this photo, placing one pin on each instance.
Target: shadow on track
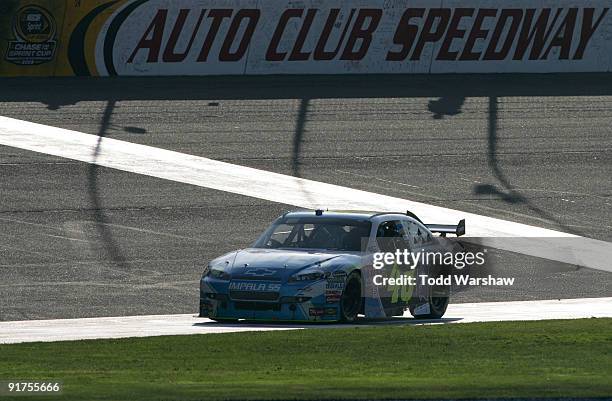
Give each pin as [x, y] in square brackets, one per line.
[446, 106]
[394, 321]
[58, 92]
[298, 139]
[300, 127]
[110, 245]
[509, 194]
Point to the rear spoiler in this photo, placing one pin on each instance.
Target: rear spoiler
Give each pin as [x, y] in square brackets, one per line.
[444, 229]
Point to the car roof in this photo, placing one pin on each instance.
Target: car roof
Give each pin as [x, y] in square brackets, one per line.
[343, 214]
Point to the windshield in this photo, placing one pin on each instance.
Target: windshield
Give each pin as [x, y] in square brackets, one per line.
[315, 233]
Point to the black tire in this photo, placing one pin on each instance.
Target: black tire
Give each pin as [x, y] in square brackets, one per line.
[438, 304]
[223, 320]
[351, 301]
[437, 308]
[438, 299]
[396, 311]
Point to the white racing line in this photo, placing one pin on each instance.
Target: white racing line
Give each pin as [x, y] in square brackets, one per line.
[208, 173]
[160, 325]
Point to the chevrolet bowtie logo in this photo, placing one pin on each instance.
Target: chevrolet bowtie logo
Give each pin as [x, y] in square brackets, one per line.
[259, 272]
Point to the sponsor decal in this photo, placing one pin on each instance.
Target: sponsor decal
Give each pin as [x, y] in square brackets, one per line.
[331, 311]
[401, 291]
[334, 285]
[259, 272]
[35, 37]
[331, 297]
[333, 288]
[316, 311]
[254, 286]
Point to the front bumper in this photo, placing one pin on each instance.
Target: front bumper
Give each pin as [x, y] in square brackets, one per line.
[296, 302]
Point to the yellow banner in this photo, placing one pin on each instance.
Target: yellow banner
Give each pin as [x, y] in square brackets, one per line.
[30, 35]
[50, 37]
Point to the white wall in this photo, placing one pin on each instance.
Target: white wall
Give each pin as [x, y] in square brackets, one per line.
[573, 24]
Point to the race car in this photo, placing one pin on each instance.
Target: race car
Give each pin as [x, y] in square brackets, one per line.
[318, 266]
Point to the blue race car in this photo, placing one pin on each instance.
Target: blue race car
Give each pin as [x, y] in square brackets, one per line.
[317, 266]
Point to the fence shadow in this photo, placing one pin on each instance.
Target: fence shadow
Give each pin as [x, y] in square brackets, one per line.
[58, 92]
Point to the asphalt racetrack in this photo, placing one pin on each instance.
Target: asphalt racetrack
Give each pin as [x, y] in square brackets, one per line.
[77, 240]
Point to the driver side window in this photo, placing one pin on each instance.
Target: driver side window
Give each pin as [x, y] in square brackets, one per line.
[391, 235]
[281, 233]
[414, 232]
[417, 233]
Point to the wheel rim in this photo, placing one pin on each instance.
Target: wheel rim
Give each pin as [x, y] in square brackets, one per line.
[438, 303]
[351, 299]
[438, 299]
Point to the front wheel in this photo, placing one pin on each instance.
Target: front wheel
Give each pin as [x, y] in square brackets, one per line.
[351, 300]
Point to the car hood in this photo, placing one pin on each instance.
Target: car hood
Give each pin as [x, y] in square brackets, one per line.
[276, 264]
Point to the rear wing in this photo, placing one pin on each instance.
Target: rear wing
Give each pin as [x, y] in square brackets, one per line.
[444, 229]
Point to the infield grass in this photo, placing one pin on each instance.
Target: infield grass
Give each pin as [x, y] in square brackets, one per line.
[563, 358]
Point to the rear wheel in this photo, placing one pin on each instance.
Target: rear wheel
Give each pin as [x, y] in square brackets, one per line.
[351, 300]
[437, 301]
[224, 320]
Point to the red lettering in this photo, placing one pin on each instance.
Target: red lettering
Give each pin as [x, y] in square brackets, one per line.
[492, 54]
[427, 35]
[320, 53]
[588, 29]
[170, 54]
[361, 32]
[453, 33]
[252, 15]
[477, 33]
[273, 54]
[535, 36]
[217, 15]
[563, 36]
[405, 34]
[297, 54]
[156, 31]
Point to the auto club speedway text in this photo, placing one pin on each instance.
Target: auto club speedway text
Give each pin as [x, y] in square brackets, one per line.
[511, 33]
[411, 260]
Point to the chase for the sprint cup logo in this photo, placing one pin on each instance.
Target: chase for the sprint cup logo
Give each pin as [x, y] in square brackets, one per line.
[34, 31]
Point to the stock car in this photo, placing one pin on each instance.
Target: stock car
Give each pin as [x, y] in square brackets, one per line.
[317, 266]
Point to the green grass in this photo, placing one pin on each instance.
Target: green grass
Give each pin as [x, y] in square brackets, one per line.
[567, 358]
